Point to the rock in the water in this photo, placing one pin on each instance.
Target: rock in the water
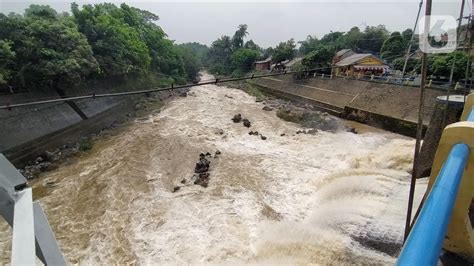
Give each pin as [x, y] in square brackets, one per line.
[253, 133]
[51, 184]
[45, 166]
[183, 181]
[176, 188]
[49, 156]
[246, 122]
[282, 134]
[267, 108]
[263, 137]
[39, 160]
[353, 130]
[237, 118]
[218, 152]
[183, 94]
[202, 166]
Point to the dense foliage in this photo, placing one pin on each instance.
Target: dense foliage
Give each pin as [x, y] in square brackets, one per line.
[284, 51]
[44, 49]
[232, 55]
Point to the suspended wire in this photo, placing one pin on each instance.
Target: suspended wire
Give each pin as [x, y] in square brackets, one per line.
[411, 39]
[127, 93]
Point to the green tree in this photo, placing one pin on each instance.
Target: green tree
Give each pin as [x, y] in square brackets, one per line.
[199, 50]
[353, 38]
[412, 64]
[244, 58]
[116, 44]
[393, 47]
[219, 55]
[373, 39]
[320, 57]
[6, 59]
[308, 45]
[239, 35]
[284, 51]
[49, 50]
[250, 44]
[406, 34]
[192, 64]
[242, 61]
[439, 65]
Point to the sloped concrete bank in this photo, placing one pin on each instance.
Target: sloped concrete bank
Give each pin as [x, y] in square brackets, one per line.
[386, 106]
[30, 131]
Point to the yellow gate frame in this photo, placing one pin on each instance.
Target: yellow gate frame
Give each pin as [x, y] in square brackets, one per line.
[460, 236]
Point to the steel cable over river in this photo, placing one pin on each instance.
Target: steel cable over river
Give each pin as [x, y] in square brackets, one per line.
[327, 198]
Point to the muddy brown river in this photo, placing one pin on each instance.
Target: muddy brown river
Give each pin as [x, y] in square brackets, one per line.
[293, 199]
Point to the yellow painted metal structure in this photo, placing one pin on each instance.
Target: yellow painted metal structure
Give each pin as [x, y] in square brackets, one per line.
[468, 105]
[460, 236]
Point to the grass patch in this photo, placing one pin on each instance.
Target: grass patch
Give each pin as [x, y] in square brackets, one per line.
[85, 144]
[287, 115]
[254, 91]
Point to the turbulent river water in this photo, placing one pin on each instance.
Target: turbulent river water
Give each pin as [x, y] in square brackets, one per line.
[293, 199]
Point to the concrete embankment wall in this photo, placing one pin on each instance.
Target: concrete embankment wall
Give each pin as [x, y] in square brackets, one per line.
[29, 131]
[387, 106]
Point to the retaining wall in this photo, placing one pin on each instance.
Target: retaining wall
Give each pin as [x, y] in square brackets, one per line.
[387, 106]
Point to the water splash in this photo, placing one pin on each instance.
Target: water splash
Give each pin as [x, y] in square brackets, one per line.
[295, 199]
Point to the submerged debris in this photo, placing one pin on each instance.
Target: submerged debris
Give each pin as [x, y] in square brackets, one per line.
[311, 131]
[237, 118]
[246, 122]
[267, 108]
[353, 130]
[201, 170]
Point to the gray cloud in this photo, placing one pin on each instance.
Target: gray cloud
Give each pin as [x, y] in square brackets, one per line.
[269, 22]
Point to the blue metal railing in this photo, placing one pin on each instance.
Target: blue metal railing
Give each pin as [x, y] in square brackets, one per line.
[471, 115]
[423, 245]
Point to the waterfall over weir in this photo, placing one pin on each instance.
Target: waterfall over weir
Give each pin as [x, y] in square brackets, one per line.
[329, 198]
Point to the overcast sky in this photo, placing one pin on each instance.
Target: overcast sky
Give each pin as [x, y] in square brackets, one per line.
[269, 22]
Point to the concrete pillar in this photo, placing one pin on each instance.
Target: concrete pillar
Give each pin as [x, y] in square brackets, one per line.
[435, 128]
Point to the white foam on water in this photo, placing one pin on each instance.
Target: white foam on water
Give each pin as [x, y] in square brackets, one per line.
[293, 199]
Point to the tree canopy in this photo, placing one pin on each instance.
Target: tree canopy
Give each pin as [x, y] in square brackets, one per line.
[42, 49]
[393, 47]
[284, 51]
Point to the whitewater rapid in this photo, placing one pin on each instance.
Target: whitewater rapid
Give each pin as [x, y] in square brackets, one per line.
[293, 199]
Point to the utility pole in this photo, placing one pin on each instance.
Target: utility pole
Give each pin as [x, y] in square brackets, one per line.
[458, 31]
[451, 74]
[419, 127]
[407, 56]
